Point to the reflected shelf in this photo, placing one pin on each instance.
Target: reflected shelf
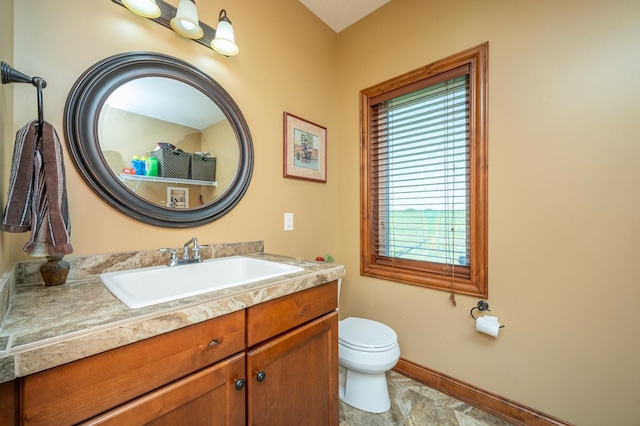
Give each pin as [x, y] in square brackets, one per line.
[139, 178]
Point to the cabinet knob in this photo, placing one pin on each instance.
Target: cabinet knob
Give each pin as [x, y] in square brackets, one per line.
[213, 343]
[261, 376]
[240, 384]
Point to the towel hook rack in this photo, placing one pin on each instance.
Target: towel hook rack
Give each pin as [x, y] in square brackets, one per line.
[11, 75]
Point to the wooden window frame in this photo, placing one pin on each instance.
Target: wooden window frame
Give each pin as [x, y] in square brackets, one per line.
[471, 280]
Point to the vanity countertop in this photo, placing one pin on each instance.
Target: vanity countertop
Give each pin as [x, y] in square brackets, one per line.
[50, 326]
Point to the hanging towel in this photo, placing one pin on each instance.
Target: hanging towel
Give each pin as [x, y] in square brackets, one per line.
[37, 199]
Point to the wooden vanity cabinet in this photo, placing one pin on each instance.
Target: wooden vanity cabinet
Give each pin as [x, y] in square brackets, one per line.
[292, 360]
[275, 363]
[77, 391]
[293, 379]
[9, 414]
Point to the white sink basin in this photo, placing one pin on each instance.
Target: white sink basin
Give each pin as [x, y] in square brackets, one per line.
[142, 287]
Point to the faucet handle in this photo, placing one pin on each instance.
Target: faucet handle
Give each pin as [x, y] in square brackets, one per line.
[185, 248]
[174, 255]
[196, 250]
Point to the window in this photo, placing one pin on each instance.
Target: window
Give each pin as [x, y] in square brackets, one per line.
[424, 176]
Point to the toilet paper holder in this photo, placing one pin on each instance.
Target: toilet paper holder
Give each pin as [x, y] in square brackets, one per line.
[482, 306]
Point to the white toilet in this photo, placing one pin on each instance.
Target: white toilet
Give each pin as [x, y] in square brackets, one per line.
[367, 349]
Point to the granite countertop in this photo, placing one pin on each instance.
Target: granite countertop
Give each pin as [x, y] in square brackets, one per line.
[49, 326]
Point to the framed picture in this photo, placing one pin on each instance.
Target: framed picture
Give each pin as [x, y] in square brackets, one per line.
[177, 197]
[305, 149]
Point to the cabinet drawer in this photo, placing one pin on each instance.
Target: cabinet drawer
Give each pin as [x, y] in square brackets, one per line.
[271, 318]
[76, 391]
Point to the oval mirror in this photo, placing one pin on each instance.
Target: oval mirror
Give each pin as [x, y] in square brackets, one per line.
[158, 140]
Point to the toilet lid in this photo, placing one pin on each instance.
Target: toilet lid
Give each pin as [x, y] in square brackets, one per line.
[366, 335]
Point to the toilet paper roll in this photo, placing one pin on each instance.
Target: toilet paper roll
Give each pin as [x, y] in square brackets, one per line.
[488, 325]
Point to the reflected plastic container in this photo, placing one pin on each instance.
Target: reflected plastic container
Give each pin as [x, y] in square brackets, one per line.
[152, 166]
[134, 162]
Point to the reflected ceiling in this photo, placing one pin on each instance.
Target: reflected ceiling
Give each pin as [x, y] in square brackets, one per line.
[167, 100]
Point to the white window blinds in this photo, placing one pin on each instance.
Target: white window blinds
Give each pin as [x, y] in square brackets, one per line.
[421, 174]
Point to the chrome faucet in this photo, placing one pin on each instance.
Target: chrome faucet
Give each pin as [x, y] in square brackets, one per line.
[175, 261]
[196, 251]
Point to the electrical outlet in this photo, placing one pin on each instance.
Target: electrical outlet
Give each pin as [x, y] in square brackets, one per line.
[288, 221]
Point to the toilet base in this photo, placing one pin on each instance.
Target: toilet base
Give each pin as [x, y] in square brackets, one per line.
[364, 391]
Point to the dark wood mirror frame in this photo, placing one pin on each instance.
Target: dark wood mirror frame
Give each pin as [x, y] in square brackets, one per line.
[84, 104]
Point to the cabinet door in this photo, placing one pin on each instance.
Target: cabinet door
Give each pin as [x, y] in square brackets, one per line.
[208, 397]
[9, 403]
[293, 379]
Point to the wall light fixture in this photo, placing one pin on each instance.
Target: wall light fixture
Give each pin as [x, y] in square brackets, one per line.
[225, 41]
[146, 8]
[184, 21]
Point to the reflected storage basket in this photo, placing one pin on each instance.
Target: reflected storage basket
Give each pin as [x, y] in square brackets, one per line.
[172, 164]
[203, 168]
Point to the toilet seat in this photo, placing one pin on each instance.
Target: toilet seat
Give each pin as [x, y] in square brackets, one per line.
[366, 335]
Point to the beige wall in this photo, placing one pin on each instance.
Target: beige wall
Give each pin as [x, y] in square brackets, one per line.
[564, 200]
[286, 63]
[218, 140]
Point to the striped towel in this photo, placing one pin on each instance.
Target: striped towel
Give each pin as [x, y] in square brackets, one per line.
[37, 199]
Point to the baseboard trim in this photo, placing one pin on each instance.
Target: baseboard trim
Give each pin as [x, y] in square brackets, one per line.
[504, 408]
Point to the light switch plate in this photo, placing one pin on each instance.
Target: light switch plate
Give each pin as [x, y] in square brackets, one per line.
[288, 221]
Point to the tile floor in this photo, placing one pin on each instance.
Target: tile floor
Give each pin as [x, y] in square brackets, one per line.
[414, 404]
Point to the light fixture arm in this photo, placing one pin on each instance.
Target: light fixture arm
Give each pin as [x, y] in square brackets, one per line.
[167, 12]
[223, 16]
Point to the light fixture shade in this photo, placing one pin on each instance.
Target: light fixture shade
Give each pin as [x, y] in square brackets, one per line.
[186, 21]
[146, 8]
[224, 42]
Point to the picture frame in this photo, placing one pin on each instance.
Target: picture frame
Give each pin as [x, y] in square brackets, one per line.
[177, 197]
[305, 149]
